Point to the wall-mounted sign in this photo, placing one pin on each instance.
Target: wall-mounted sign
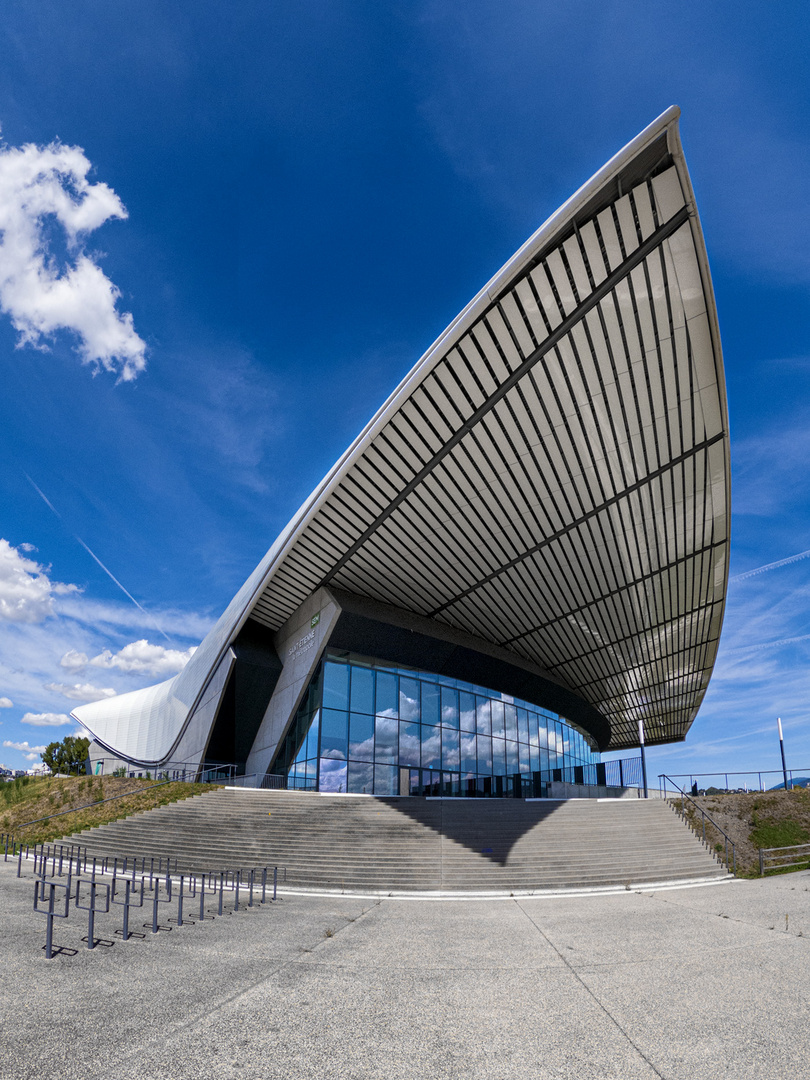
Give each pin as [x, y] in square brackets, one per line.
[303, 645]
[315, 619]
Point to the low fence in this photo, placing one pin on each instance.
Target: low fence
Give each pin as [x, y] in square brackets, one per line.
[783, 858]
[66, 879]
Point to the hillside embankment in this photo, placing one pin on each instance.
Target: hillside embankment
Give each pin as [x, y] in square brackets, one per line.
[29, 799]
[754, 820]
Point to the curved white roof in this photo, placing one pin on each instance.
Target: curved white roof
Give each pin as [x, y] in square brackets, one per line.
[551, 477]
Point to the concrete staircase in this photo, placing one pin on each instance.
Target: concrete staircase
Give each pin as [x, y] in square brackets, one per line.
[359, 843]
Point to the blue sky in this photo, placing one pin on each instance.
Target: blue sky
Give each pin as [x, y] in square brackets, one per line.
[297, 200]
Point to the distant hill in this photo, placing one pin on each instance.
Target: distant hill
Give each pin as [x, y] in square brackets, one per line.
[797, 781]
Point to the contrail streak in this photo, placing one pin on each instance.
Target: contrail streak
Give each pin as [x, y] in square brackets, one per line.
[767, 645]
[770, 566]
[95, 557]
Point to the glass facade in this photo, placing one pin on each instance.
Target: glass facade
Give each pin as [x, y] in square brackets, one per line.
[370, 727]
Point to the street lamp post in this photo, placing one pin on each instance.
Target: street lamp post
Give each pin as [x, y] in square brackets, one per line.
[643, 758]
[782, 748]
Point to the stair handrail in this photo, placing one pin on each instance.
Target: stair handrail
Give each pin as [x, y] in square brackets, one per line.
[704, 818]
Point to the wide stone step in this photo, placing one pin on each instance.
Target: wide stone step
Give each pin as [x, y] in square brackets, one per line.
[355, 843]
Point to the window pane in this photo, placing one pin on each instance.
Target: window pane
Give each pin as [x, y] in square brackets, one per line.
[333, 775]
[430, 704]
[511, 756]
[483, 724]
[385, 742]
[361, 777]
[498, 758]
[467, 752]
[361, 737]
[510, 721]
[409, 744]
[466, 711]
[533, 739]
[497, 718]
[312, 736]
[449, 707]
[449, 749]
[408, 699]
[523, 725]
[387, 694]
[362, 690]
[386, 780]
[431, 747]
[484, 754]
[336, 686]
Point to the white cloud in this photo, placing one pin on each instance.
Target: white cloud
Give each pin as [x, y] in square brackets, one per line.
[6, 703]
[142, 658]
[24, 747]
[26, 591]
[74, 661]
[40, 186]
[46, 719]
[81, 691]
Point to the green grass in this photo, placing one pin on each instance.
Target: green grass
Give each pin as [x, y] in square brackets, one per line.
[28, 799]
[772, 834]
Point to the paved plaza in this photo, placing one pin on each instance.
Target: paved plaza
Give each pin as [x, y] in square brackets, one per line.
[699, 982]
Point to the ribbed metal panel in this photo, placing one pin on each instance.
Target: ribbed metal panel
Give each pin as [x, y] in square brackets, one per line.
[557, 482]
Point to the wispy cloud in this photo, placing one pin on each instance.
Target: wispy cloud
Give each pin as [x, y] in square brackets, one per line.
[23, 746]
[42, 187]
[81, 691]
[96, 613]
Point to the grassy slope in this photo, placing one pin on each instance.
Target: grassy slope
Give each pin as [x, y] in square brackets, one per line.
[21, 802]
[754, 820]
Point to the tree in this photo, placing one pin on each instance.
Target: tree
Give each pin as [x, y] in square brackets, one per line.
[68, 756]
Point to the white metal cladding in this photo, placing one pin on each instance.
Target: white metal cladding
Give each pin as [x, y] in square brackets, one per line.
[553, 475]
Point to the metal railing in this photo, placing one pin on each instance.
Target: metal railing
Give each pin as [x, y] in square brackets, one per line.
[740, 781]
[781, 858]
[189, 772]
[621, 773]
[268, 781]
[67, 878]
[681, 812]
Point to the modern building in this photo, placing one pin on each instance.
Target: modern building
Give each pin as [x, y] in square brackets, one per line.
[521, 558]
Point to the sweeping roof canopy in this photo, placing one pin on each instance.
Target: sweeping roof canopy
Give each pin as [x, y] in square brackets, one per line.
[552, 477]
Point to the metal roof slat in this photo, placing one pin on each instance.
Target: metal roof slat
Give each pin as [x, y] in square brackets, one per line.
[593, 252]
[545, 295]
[559, 277]
[521, 327]
[628, 233]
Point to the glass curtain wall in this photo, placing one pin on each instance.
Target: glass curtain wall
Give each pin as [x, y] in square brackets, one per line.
[369, 727]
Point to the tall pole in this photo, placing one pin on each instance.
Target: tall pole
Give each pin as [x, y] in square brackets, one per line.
[643, 758]
[782, 748]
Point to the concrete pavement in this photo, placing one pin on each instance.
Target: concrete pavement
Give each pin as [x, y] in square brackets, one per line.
[702, 982]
